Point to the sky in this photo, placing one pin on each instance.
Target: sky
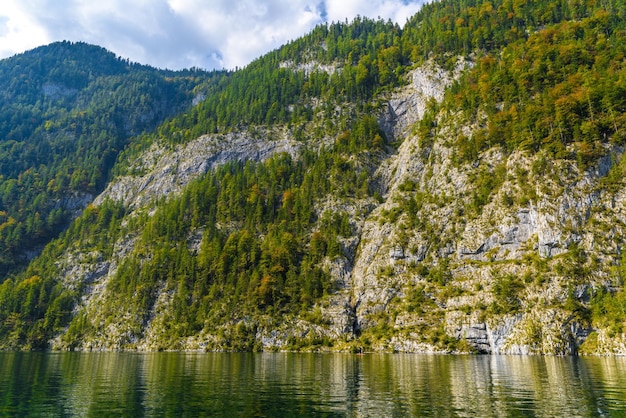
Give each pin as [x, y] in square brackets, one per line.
[177, 34]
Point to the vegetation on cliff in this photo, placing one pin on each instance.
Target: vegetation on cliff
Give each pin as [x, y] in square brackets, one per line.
[496, 209]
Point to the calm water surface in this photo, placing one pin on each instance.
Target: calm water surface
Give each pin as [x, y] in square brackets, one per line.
[283, 385]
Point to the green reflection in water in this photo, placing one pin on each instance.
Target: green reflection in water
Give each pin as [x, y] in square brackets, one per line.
[264, 384]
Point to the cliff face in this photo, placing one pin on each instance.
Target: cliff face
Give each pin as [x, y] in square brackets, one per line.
[509, 277]
[499, 278]
[163, 170]
[453, 185]
[425, 264]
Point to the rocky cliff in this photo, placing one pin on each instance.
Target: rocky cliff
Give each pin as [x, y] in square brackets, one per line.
[500, 254]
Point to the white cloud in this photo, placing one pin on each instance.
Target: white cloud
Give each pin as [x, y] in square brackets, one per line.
[396, 10]
[18, 30]
[181, 33]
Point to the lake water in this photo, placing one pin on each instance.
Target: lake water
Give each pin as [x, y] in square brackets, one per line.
[302, 385]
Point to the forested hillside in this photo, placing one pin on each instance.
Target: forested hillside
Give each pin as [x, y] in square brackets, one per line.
[453, 185]
[67, 110]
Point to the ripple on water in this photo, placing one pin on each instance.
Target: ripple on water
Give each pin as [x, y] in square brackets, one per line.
[285, 384]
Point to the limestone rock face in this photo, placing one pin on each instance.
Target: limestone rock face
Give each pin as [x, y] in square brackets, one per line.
[530, 235]
[165, 171]
[499, 254]
[379, 244]
[409, 105]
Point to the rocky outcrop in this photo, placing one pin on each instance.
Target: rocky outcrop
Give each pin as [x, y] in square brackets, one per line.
[57, 91]
[168, 171]
[310, 66]
[431, 260]
[380, 244]
[461, 258]
[406, 107]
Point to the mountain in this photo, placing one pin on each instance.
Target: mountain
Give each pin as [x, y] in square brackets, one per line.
[456, 185]
[68, 109]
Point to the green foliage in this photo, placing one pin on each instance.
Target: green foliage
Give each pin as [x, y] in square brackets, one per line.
[309, 343]
[245, 241]
[608, 311]
[438, 337]
[365, 135]
[581, 312]
[506, 292]
[35, 306]
[261, 247]
[67, 110]
[425, 130]
[590, 345]
[440, 274]
[614, 180]
[450, 27]
[486, 182]
[417, 301]
[559, 89]
[275, 90]
[573, 264]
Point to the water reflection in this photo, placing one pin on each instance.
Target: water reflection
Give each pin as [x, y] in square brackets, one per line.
[222, 384]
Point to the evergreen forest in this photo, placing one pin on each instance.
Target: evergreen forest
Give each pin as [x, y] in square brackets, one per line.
[270, 249]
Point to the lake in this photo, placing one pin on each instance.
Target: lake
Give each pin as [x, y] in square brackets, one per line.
[327, 385]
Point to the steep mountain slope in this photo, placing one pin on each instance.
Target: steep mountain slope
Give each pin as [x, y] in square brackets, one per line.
[67, 109]
[456, 185]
